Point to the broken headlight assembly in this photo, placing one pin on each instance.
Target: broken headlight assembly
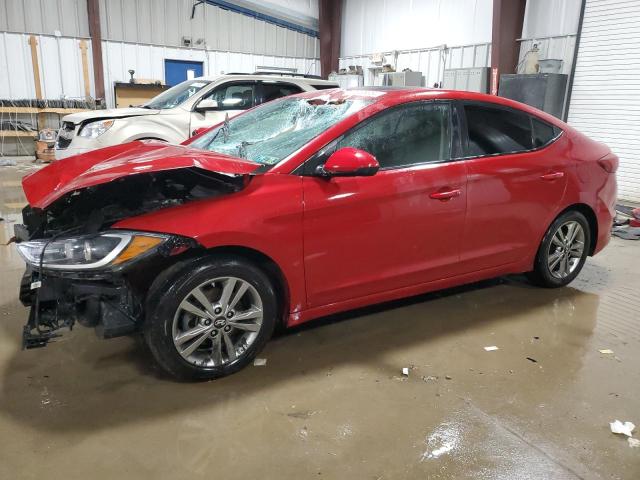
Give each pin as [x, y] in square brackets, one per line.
[95, 129]
[89, 252]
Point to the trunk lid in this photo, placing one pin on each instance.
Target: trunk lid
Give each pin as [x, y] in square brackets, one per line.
[47, 185]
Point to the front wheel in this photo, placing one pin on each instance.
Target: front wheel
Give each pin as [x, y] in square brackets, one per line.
[210, 318]
[563, 251]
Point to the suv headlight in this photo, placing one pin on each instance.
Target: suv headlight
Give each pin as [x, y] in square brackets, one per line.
[89, 251]
[95, 129]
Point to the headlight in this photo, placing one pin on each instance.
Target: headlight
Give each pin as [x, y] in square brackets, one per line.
[95, 129]
[89, 251]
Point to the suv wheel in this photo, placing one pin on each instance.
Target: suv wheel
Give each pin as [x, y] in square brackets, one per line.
[210, 317]
[563, 251]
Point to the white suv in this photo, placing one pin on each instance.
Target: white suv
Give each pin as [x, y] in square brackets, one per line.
[175, 114]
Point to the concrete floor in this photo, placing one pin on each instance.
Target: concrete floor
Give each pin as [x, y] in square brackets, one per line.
[332, 401]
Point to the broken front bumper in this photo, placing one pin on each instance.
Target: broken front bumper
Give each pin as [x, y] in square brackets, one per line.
[106, 301]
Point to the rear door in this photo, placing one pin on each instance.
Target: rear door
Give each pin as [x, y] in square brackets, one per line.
[400, 227]
[232, 98]
[516, 180]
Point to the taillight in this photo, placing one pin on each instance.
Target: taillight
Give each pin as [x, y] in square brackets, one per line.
[609, 163]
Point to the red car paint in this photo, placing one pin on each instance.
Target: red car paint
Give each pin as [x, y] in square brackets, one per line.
[349, 242]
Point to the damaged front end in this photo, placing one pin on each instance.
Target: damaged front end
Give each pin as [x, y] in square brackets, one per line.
[82, 270]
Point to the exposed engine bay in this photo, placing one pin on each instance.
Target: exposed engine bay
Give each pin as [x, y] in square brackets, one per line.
[95, 208]
[111, 300]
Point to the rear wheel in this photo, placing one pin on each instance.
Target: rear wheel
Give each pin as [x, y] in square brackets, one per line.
[563, 251]
[210, 318]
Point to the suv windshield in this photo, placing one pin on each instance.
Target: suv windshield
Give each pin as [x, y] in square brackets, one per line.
[176, 95]
[273, 131]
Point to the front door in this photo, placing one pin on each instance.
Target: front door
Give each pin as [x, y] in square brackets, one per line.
[232, 98]
[400, 227]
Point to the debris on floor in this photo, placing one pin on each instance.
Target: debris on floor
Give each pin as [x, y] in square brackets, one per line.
[405, 371]
[625, 428]
[606, 351]
[626, 233]
[633, 442]
[259, 362]
[7, 162]
[626, 225]
[491, 348]
[532, 360]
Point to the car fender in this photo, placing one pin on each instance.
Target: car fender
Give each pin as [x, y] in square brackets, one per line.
[266, 216]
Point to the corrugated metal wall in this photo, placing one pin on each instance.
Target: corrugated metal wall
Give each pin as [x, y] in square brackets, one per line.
[69, 17]
[166, 22]
[16, 71]
[417, 31]
[159, 22]
[552, 25]
[61, 64]
[605, 100]
[371, 26]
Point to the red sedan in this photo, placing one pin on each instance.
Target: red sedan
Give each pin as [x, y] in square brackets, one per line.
[303, 207]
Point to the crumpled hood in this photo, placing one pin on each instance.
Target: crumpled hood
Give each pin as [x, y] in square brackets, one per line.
[50, 183]
[80, 117]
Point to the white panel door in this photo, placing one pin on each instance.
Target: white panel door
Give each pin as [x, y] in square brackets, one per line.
[605, 102]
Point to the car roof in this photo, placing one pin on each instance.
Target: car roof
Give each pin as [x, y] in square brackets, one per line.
[389, 96]
[271, 77]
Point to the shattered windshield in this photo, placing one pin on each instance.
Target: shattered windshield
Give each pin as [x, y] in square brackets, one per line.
[176, 95]
[273, 131]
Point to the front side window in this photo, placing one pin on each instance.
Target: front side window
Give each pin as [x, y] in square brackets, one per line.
[234, 96]
[273, 131]
[497, 131]
[176, 95]
[406, 135]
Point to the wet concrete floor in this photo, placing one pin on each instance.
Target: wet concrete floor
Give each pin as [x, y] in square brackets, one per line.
[332, 401]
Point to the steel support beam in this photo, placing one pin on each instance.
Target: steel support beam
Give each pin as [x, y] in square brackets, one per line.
[93, 13]
[508, 17]
[330, 21]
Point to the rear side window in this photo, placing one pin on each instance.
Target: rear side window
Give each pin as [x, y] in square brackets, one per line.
[543, 133]
[271, 91]
[406, 135]
[494, 131]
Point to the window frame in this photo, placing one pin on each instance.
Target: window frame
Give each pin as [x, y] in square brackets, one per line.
[464, 127]
[308, 167]
[230, 83]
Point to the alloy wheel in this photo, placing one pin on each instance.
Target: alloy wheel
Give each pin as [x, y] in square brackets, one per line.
[566, 249]
[217, 322]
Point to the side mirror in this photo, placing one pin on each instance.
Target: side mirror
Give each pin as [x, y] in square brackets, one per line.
[349, 162]
[206, 105]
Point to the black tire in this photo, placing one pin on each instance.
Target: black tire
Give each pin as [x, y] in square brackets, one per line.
[542, 274]
[175, 285]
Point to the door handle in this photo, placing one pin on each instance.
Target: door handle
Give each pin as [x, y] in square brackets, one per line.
[446, 195]
[552, 176]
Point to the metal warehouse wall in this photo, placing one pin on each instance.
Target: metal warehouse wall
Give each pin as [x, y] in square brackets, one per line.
[370, 26]
[552, 25]
[418, 31]
[159, 22]
[16, 74]
[69, 17]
